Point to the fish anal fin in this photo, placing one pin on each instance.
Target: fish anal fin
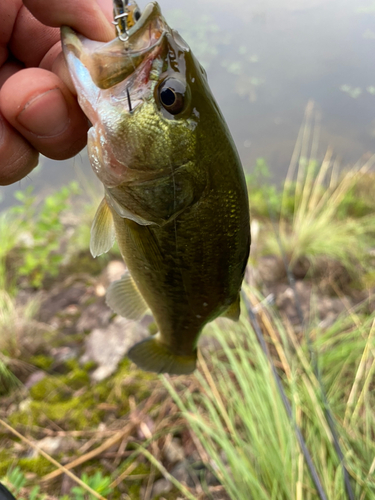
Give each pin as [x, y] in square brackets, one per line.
[102, 230]
[234, 310]
[124, 298]
[153, 356]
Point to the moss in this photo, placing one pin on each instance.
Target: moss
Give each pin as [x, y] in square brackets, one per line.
[125, 385]
[124, 365]
[38, 465]
[74, 414]
[140, 469]
[77, 412]
[78, 379]
[59, 388]
[72, 364]
[117, 389]
[41, 361]
[90, 365]
[51, 388]
[54, 399]
[134, 491]
[22, 418]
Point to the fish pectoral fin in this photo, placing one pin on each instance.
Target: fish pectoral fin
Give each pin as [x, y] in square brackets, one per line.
[153, 356]
[124, 298]
[102, 230]
[234, 310]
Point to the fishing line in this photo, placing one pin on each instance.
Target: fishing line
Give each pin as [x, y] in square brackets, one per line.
[288, 409]
[314, 361]
[129, 100]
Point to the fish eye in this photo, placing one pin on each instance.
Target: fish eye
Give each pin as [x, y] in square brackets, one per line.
[172, 95]
[137, 15]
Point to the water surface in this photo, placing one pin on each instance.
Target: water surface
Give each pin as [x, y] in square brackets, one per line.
[265, 60]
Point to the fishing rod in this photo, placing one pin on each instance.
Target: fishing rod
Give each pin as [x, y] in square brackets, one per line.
[5, 494]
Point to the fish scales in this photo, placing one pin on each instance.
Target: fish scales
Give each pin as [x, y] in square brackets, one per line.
[175, 194]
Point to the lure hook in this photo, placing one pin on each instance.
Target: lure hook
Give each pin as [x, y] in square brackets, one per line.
[120, 19]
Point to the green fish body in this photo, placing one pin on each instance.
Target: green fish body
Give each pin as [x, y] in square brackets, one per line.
[175, 193]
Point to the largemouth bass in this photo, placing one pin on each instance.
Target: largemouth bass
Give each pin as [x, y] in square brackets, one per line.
[175, 194]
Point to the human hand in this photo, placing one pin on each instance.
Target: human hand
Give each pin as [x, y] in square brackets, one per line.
[39, 112]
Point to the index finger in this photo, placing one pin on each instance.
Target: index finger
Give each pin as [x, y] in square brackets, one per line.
[89, 17]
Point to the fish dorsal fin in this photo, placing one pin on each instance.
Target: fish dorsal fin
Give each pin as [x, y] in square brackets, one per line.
[102, 230]
[154, 356]
[124, 298]
[234, 310]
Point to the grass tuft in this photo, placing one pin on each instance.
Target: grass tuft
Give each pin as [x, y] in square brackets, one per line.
[240, 422]
[324, 213]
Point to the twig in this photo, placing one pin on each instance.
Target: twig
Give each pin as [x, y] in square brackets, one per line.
[120, 452]
[93, 453]
[124, 474]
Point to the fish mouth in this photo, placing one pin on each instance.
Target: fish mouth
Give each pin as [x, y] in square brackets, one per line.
[113, 62]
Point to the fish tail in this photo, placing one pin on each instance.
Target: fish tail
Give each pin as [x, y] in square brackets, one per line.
[154, 356]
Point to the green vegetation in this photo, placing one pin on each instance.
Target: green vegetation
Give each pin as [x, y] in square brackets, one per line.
[238, 416]
[16, 481]
[97, 482]
[39, 235]
[322, 215]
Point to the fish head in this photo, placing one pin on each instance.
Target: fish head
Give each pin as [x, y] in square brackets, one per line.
[144, 98]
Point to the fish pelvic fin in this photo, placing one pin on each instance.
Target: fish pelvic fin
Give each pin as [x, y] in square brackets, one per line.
[102, 230]
[234, 310]
[154, 356]
[124, 298]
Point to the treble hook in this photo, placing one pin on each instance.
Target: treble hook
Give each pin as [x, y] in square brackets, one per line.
[120, 18]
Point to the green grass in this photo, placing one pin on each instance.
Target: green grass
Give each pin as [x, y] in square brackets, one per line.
[240, 422]
[323, 212]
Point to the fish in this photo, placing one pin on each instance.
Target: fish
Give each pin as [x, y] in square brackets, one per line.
[175, 196]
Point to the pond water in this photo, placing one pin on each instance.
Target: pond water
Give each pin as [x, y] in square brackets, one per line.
[265, 60]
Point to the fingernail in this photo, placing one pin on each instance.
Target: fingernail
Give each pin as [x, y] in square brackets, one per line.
[46, 115]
